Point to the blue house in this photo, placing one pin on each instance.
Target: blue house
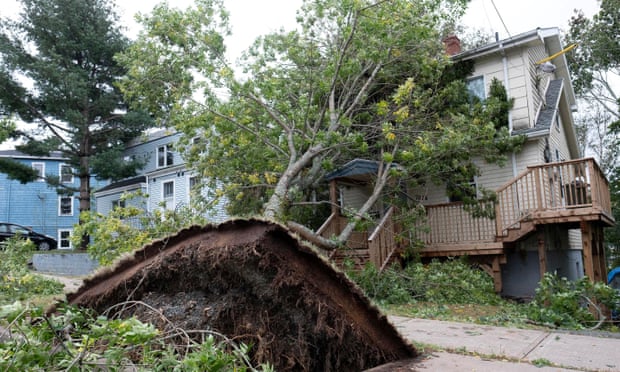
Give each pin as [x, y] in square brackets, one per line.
[165, 182]
[38, 205]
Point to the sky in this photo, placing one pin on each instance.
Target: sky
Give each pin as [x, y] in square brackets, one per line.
[251, 18]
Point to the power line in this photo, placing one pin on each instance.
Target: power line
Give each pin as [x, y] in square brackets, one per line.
[501, 19]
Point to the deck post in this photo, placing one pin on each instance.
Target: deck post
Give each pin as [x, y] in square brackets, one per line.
[542, 255]
[598, 254]
[586, 244]
[497, 274]
[333, 196]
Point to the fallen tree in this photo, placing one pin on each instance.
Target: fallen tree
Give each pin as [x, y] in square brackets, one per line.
[254, 282]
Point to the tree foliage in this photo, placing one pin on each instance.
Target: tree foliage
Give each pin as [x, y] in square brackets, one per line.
[58, 73]
[355, 79]
[595, 63]
[595, 69]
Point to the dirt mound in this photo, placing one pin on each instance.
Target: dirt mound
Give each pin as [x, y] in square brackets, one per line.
[254, 282]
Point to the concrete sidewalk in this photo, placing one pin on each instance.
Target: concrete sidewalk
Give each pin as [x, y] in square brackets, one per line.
[507, 349]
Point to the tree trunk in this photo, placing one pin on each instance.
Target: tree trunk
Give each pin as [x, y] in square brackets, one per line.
[382, 177]
[274, 207]
[84, 195]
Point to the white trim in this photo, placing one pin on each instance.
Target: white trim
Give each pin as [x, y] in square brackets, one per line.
[168, 148]
[60, 166]
[171, 199]
[60, 197]
[42, 172]
[60, 231]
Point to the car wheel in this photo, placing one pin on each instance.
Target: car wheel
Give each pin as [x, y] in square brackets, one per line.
[44, 246]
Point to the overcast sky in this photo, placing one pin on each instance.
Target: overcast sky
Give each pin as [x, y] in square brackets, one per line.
[251, 18]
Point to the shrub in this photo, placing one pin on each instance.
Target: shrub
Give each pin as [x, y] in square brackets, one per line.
[570, 304]
[74, 339]
[16, 281]
[449, 282]
[126, 229]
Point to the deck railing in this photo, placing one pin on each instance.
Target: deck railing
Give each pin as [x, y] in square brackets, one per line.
[552, 187]
[382, 242]
[452, 223]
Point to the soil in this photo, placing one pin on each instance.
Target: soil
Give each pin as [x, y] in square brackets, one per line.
[253, 282]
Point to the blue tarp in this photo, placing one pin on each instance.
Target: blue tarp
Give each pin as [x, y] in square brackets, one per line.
[613, 278]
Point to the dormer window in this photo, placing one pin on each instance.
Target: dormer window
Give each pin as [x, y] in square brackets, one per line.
[165, 156]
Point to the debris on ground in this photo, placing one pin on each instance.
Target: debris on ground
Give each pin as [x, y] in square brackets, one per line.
[256, 283]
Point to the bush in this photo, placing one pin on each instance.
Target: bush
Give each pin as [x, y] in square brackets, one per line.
[16, 281]
[75, 340]
[562, 303]
[126, 229]
[449, 282]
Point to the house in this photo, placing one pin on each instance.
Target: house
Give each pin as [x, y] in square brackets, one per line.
[552, 204]
[38, 205]
[163, 183]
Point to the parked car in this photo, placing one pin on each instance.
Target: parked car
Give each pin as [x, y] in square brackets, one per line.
[42, 241]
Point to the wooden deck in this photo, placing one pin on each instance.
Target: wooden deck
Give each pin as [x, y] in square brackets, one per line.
[569, 193]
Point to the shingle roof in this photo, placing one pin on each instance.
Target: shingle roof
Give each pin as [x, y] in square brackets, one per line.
[548, 112]
[123, 183]
[356, 167]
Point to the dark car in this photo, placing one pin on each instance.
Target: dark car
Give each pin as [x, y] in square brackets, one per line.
[43, 242]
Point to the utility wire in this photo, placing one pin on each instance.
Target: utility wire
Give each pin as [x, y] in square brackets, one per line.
[501, 19]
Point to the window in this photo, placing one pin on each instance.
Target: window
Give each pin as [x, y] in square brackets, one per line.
[64, 239]
[66, 173]
[118, 203]
[40, 169]
[194, 186]
[475, 87]
[194, 181]
[458, 192]
[168, 189]
[65, 206]
[165, 156]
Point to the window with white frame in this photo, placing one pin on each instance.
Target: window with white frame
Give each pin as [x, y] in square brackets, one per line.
[165, 156]
[40, 169]
[118, 203]
[65, 205]
[168, 190]
[66, 173]
[475, 87]
[64, 239]
[194, 185]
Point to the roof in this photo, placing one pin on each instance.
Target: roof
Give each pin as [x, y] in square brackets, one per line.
[549, 36]
[54, 155]
[356, 167]
[548, 111]
[123, 183]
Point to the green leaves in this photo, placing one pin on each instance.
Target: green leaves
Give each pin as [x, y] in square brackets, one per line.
[74, 339]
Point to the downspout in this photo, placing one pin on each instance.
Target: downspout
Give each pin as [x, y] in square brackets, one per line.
[148, 192]
[507, 86]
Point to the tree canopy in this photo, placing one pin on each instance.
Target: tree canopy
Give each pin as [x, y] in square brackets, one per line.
[595, 68]
[355, 79]
[58, 73]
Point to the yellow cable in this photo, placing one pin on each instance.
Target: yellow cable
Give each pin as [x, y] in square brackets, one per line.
[570, 47]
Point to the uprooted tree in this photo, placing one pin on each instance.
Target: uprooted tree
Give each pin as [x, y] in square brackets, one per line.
[355, 79]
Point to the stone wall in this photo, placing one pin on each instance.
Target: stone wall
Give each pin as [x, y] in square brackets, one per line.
[69, 264]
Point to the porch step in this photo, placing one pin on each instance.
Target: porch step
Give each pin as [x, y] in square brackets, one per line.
[525, 228]
[359, 257]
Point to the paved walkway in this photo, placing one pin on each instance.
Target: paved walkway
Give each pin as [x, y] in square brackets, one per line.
[507, 349]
